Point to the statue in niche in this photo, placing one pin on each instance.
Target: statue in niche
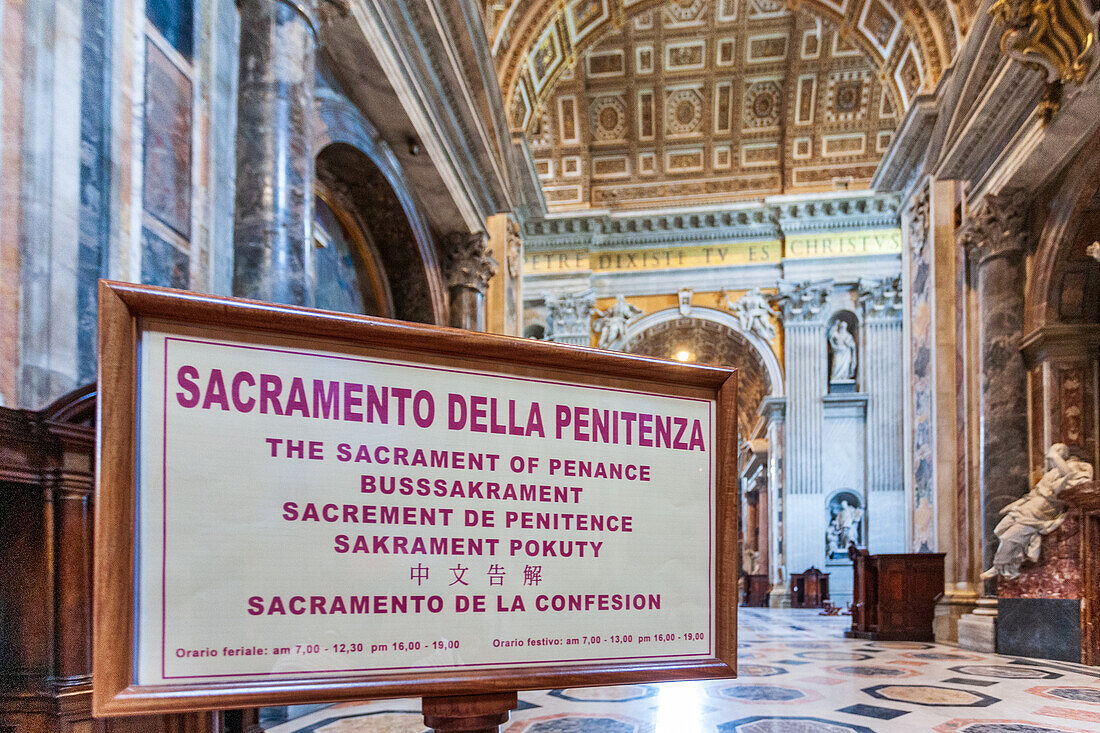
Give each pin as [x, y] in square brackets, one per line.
[611, 323]
[843, 529]
[842, 347]
[750, 561]
[1038, 513]
[754, 314]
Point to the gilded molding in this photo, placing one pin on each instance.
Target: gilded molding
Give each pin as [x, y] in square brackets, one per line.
[1055, 37]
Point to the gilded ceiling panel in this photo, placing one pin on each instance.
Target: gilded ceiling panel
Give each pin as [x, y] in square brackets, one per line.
[702, 101]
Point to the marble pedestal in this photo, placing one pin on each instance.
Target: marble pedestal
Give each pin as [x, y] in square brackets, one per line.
[956, 603]
[978, 630]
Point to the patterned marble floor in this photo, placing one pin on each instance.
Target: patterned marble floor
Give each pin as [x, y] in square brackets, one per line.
[798, 674]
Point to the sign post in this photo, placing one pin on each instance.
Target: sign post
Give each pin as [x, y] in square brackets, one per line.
[298, 506]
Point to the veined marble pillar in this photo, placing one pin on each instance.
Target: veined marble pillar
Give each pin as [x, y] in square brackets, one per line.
[996, 236]
[274, 202]
[807, 382]
[774, 411]
[882, 381]
[468, 266]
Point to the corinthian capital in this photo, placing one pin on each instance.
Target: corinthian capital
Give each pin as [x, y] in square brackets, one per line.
[468, 261]
[802, 301]
[880, 297]
[997, 226]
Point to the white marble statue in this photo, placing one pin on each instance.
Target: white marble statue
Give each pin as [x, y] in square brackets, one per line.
[843, 348]
[843, 529]
[1038, 513]
[611, 323]
[754, 314]
[750, 561]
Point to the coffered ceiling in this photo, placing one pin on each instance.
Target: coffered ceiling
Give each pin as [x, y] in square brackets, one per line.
[636, 103]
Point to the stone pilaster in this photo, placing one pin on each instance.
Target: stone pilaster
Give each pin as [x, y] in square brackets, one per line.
[274, 202]
[881, 374]
[468, 266]
[805, 343]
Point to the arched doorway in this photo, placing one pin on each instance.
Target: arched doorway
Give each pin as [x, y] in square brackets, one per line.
[714, 337]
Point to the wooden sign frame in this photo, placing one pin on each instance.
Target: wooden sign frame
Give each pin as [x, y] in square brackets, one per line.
[123, 308]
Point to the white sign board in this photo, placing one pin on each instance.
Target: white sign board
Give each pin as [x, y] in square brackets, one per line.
[309, 513]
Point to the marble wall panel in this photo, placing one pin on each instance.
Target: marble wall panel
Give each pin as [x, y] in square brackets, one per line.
[923, 448]
[95, 181]
[162, 263]
[167, 177]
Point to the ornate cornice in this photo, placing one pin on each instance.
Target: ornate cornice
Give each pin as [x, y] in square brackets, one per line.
[469, 262]
[996, 227]
[765, 220]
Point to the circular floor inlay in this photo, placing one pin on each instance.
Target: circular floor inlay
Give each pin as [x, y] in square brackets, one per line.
[869, 671]
[761, 693]
[900, 645]
[758, 670]
[837, 656]
[774, 724]
[580, 724]
[1009, 728]
[1077, 694]
[614, 693]
[931, 695]
[1006, 672]
[377, 723]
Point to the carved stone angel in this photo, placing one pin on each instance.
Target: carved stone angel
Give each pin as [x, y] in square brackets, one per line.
[1038, 513]
[754, 314]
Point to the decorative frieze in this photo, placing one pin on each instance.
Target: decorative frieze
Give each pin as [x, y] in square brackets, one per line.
[568, 316]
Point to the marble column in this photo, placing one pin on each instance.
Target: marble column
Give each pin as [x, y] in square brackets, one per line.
[807, 382]
[274, 201]
[468, 266]
[882, 381]
[774, 410]
[996, 236]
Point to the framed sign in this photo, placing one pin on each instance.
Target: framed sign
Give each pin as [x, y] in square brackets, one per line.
[296, 506]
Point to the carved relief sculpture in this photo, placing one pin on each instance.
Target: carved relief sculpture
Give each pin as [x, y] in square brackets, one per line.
[754, 314]
[611, 323]
[568, 317]
[1038, 513]
[842, 349]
